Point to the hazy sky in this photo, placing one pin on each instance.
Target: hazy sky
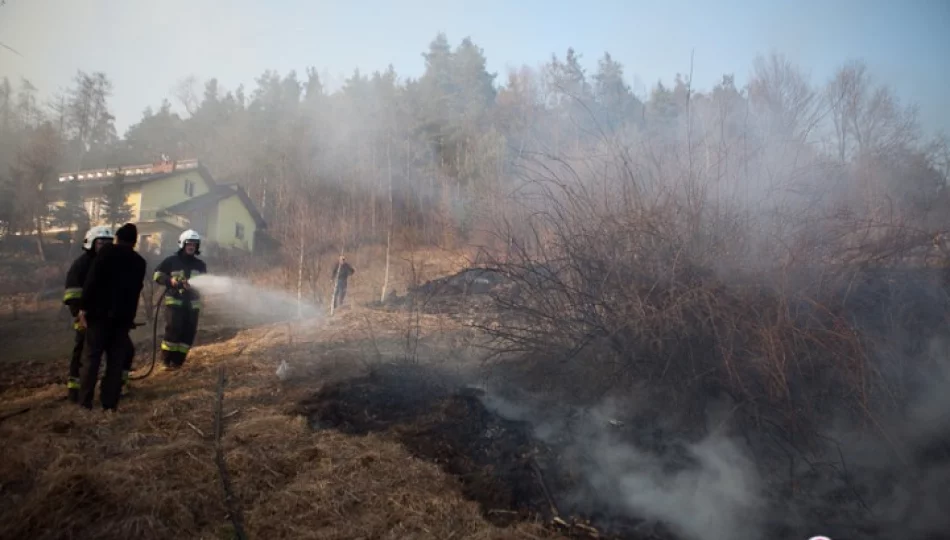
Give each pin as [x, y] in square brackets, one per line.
[146, 46]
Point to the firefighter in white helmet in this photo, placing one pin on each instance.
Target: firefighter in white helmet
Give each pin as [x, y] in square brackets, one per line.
[182, 303]
[95, 238]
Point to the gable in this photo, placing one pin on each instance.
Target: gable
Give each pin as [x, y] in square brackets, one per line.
[164, 192]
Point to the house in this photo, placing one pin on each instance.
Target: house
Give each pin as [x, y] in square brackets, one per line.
[168, 197]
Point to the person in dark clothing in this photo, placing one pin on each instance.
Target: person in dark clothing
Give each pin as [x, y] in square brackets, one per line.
[341, 272]
[182, 303]
[109, 304]
[94, 240]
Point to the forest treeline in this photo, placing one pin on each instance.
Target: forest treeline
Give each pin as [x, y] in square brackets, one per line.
[458, 153]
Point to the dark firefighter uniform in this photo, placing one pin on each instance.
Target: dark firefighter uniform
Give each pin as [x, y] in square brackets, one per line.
[110, 300]
[75, 278]
[182, 306]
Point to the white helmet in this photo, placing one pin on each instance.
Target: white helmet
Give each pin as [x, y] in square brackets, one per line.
[190, 235]
[95, 233]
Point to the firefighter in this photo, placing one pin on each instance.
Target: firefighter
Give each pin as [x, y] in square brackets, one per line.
[182, 303]
[95, 238]
[109, 303]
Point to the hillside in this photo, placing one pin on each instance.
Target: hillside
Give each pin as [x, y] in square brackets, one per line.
[150, 471]
[420, 418]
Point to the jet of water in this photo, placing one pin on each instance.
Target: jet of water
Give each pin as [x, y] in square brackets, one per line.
[239, 300]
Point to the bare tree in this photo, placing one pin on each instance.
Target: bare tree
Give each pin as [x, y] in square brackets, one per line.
[89, 118]
[867, 119]
[187, 95]
[782, 93]
[34, 172]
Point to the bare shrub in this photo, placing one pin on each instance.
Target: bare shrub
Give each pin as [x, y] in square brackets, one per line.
[694, 294]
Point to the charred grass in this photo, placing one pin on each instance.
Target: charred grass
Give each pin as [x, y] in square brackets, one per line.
[498, 462]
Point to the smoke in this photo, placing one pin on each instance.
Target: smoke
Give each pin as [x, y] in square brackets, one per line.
[633, 461]
[242, 302]
[715, 499]
[706, 490]
[913, 458]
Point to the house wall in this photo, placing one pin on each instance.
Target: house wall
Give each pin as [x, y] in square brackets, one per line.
[230, 212]
[150, 196]
[157, 239]
[211, 224]
[216, 224]
[160, 194]
[134, 199]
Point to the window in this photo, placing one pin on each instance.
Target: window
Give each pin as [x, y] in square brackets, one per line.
[145, 243]
[239, 231]
[189, 188]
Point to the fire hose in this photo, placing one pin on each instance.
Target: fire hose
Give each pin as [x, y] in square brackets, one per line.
[158, 306]
[151, 366]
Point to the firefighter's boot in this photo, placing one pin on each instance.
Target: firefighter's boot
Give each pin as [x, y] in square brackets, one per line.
[72, 389]
[126, 383]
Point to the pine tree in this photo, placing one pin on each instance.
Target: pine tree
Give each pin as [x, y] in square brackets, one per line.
[7, 205]
[71, 213]
[115, 208]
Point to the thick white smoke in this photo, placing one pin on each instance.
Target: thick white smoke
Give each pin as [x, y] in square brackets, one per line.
[714, 495]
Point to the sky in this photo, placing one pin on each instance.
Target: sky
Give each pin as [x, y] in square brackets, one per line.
[146, 47]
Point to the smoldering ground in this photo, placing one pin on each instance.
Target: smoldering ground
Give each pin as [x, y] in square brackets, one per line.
[703, 490]
[728, 484]
[525, 456]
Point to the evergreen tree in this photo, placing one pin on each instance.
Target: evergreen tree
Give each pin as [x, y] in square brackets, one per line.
[616, 104]
[115, 207]
[71, 213]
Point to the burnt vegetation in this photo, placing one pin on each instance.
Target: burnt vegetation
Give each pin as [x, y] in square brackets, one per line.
[714, 313]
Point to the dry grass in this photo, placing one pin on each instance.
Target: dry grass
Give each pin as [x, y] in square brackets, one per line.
[149, 471]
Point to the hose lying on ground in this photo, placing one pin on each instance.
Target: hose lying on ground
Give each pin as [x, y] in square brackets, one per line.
[151, 366]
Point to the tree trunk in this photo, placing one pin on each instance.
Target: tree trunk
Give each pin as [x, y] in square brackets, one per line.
[375, 190]
[40, 249]
[336, 282]
[300, 258]
[389, 234]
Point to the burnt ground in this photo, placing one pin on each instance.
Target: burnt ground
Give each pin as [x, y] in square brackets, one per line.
[498, 462]
[514, 477]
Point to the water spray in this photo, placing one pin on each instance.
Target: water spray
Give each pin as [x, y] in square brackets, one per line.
[262, 304]
[245, 298]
